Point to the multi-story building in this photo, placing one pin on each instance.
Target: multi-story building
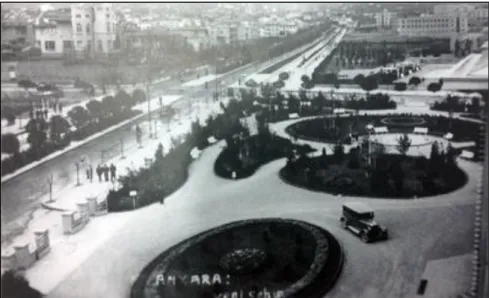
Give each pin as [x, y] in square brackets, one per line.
[384, 19]
[94, 27]
[22, 32]
[433, 25]
[88, 28]
[53, 32]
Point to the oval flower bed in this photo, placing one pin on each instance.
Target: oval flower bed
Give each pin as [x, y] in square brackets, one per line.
[284, 258]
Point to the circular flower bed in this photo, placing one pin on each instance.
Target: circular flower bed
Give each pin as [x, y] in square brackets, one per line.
[276, 257]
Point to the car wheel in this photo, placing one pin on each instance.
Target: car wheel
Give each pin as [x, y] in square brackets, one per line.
[364, 237]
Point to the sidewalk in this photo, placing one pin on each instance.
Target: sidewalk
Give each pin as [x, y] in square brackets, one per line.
[154, 105]
[68, 252]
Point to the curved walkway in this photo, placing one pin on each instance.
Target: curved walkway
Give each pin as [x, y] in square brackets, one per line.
[421, 230]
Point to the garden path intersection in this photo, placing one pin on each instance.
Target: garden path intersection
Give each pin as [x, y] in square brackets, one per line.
[421, 230]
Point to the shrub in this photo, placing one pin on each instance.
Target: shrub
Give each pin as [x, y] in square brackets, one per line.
[434, 87]
[414, 81]
[401, 86]
[10, 143]
[138, 95]
[283, 76]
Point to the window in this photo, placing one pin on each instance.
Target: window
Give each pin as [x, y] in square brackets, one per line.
[38, 43]
[79, 43]
[78, 28]
[89, 28]
[108, 16]
[67, 45]
[100, 46]
[50, 45]
[78, 16]
[87, 16]
[108, 27]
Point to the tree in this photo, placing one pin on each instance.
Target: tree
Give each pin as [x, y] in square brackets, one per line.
[159, 152]
[456, 51]
[401, 86]
[10, 143]
[94, 108]
[58, 127]
[36, 129]
[138, 95]
[369, 83]
[451, 155]
[9, 114]
[79, 116]
[414, 81]
[15, 285]
[126, 101]
[339, 151]
[434, 87]
[403, 144]
[451, 101]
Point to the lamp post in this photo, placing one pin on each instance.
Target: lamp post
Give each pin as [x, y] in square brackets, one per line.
[77, 165]
[122, 149]
[149, 109]
[369, 128]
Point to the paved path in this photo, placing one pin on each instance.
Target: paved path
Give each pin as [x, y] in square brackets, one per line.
[421, 230]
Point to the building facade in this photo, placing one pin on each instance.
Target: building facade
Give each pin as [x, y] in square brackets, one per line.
[84, 28]
[433, 25]
[384, 19]
[18, 31]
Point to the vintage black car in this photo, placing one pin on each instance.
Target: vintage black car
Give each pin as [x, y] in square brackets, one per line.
[359, 218]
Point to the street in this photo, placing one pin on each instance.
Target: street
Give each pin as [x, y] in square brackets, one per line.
[21, 194]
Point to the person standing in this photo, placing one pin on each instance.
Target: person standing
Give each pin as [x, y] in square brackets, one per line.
[106, 173]
[99, 173]
[112, 172]
[90, 170]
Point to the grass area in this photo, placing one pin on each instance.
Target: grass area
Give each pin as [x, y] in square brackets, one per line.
[280, 251]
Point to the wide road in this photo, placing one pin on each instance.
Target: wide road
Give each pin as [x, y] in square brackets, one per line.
[21, 195]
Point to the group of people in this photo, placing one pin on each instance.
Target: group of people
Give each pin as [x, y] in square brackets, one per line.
[103, 172]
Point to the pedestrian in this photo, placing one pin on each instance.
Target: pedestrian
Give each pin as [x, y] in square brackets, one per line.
[90, 169]
[106, 173]
[45, 113]
[99, 173]
[112, 172]
[88, 173]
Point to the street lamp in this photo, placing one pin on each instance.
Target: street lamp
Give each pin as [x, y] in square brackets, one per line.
[77, 165]
[369, 128]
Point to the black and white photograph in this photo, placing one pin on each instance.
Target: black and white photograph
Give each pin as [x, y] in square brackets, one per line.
[244, 149]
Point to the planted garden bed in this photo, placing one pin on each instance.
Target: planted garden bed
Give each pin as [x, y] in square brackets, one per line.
[261, 257]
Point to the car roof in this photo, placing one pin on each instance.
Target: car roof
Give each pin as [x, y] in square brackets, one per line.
[358, 207]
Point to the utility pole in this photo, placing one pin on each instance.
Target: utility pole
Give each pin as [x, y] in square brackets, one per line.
[122, 149]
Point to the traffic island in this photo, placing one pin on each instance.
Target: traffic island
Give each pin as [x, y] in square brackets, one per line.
[251, 258]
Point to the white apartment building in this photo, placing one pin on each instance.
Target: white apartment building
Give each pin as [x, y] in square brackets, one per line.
[433, 25]
[94, 27]
[384, 19]
[84, 27]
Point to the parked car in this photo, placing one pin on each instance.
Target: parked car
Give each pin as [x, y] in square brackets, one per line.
[359, 219]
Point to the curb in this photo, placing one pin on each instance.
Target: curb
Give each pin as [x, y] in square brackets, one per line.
[50, 208]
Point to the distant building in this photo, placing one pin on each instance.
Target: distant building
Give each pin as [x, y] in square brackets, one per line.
[84, 28]
[384, 19]
[433, 25]
[22, 32]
